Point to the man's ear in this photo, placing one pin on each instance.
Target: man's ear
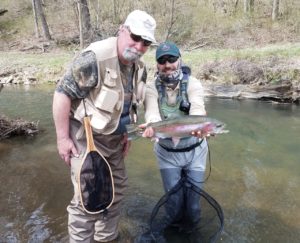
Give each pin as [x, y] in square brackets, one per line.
[121, 28]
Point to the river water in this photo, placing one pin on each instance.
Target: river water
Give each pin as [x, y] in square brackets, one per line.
[255, 173]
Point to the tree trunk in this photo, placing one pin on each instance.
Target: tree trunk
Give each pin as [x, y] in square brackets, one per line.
[80, 25]
[251, 6]
[40, 12]
[275, 10]
[115, 11]
[172, 17]
[236, 3]
[36, 25]
[98, 15]
[85, 20]
[248, 6]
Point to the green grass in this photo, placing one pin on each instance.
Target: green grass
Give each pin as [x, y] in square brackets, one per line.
[47, 67]
[43, 60]
[202, 56]
[56, 62]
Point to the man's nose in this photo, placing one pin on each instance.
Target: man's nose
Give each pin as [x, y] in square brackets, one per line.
[167, 64]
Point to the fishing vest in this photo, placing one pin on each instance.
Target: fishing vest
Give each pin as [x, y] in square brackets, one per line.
[105, 102]
[171, 109]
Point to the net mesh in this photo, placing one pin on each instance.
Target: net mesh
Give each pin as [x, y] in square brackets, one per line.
[185, 220]
[96, 186]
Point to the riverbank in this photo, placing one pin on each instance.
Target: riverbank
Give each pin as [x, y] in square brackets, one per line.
[271, 72]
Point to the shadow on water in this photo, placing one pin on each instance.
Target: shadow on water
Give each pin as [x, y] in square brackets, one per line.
[255, 174]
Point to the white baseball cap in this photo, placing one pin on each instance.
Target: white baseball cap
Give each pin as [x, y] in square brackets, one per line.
[142, 24]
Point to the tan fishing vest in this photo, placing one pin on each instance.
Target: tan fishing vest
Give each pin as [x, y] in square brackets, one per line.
[104, 103]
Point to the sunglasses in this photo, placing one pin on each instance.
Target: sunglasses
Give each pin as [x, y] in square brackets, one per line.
[170, 59]
[138, 38]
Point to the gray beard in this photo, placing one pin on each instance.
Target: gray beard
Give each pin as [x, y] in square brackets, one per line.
[131, 55]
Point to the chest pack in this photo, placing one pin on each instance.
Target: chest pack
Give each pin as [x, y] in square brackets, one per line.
[182, 104]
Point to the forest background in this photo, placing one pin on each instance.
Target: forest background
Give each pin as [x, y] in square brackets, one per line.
[249, 42]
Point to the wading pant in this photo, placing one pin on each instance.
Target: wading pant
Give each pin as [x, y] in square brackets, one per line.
[184, 205]
[103, 227]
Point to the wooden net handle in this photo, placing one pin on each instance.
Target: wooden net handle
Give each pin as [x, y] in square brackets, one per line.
[89, 134]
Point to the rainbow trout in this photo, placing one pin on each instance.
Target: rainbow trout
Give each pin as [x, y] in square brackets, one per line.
[180, 127]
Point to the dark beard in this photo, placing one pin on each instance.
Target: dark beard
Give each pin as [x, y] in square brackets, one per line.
[171, 80]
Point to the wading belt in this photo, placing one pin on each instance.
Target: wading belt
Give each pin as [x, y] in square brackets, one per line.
[187, 149]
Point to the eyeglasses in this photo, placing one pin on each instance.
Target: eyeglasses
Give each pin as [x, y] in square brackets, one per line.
[170, 59]
[138, 38]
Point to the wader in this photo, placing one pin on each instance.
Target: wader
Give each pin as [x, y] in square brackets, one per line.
[101, 227]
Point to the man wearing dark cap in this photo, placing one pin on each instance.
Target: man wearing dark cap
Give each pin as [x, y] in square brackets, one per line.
[101, 83]
[175, 93]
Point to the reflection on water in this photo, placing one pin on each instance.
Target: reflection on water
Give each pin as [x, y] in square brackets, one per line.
[255, 173]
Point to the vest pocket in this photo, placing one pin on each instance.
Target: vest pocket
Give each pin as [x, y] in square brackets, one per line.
[99, 118]
[110, 78]
[107, 99]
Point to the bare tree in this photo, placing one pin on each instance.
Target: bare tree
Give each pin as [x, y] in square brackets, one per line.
[236, 3]
[248, 6]
[80, 25]
[85, 28]
[36, 24]
[98, 14]
[172, 20]
[115, 10]
[275, 10]
[40, 13]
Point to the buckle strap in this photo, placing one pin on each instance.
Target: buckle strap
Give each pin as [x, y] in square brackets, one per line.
[187, 149]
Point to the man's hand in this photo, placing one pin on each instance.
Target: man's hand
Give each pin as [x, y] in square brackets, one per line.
[148, 132]
[66, 149]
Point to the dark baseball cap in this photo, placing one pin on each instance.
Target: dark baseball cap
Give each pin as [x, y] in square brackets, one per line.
[167, 48]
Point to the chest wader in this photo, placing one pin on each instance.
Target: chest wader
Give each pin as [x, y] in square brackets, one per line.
[96, 181]
[181, 205]
[182, 105]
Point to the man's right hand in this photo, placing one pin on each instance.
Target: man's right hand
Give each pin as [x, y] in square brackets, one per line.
[148, 132]
[66, 149]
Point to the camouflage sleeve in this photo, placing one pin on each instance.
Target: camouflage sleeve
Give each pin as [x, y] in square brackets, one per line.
[81, 76]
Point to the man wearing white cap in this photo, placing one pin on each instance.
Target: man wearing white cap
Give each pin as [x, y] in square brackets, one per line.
[102, 83]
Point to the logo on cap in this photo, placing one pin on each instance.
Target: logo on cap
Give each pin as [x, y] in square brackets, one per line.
[148, 24]
[165, 47]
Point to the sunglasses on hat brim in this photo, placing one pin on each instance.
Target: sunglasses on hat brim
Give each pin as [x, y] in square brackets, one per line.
[167, 58]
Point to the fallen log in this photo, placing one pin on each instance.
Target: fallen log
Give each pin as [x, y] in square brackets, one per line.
[3, 11]
[17, 127]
